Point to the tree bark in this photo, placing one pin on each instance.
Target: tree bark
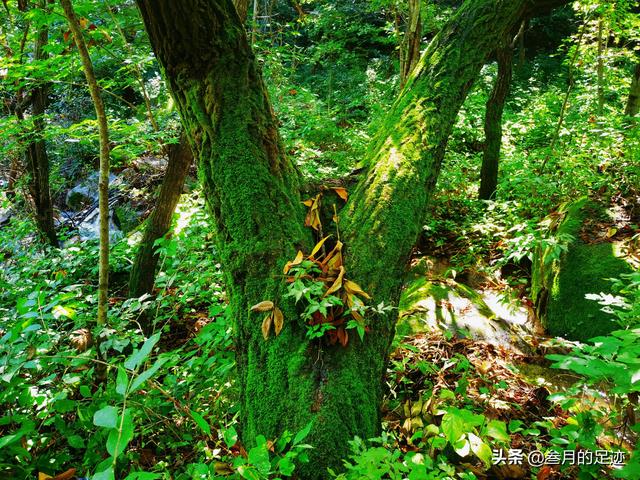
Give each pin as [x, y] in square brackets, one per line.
[410, 47]
[252, 191]
[493, 124]
[633, 101]
[36, 158]
[103, 182]
[143, 272]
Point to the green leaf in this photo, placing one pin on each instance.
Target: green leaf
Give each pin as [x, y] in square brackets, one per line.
[146, 375]
[120, 437]
[481, 449]
[452, 426]
[76, 441]
[122, 381]
[201, 422]
[230, 436]
[498, 430]
[139, 356]
[259, 458]
[106, 417]
[248, 472]
[302, 434]
[286, 466]
[143, 476]
[85, 391]
[104, 475]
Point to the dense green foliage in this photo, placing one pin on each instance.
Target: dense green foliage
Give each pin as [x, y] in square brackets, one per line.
[127, 402]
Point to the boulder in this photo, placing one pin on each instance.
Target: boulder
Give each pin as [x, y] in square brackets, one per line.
[580, 260]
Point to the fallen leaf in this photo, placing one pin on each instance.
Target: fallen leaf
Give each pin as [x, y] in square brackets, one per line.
[278, 320]
[263, 306]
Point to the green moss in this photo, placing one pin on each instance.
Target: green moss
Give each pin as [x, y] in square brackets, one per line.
[559, 285]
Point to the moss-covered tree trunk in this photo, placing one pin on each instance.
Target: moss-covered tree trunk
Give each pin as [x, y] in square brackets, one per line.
[36, 158]
[493, 124]
[144, 266]
[633, 101]
[252, 191]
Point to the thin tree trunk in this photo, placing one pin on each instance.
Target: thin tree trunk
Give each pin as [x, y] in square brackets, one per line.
[493, 124]
[14, 173]
[522, 51]
[565, 101]
[252, 191]
[633, 101]
[143, 272]
[600, 67]
[36, 158]
[254, 22]
[410, 47]
[103, 183]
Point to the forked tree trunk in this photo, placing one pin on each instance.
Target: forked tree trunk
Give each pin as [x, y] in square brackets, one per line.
[144, 267]
[410, 47]
[493, 124]
[252, 191]
[36, 158]
[633, 101]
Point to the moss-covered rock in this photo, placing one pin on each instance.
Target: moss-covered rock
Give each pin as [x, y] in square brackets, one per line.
[432, 303]
[563, 275]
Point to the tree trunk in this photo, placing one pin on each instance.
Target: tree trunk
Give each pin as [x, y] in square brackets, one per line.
[14, 173]
[144, 267]
[242, 7]
[252, 191]
[633, 102]
[600, 66]
[36, 158]
[410, 47]
[103, 183]
[493, 124]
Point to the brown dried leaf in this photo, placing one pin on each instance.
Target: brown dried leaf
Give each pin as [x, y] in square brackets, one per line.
[353, 287]
[81, 339]
[342, 193]
[343, 336]
[295, 261]
[334, 258]
[68, 475]
[313, 215]
[337, 285]
[278, 320]
[263, 306]
[266, 326]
